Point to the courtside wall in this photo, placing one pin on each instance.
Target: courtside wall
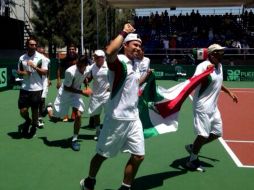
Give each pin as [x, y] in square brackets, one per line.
[162, 72]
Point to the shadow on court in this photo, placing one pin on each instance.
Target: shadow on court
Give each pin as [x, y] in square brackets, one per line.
[64, 143]
[15, 135]
[156, 180]
[88, 127]
[181, 163]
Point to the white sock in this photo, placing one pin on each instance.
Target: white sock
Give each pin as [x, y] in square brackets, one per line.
[126, 185]
[75, 137]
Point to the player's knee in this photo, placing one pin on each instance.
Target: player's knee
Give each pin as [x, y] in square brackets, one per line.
[78, 115]
[138, 158]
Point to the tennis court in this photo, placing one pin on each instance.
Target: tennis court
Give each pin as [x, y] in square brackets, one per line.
[238, 138]
[46, 162]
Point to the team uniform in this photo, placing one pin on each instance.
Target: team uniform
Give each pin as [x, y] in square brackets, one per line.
[100, 89]
[32, 85]
[144, 65]
[207, 118]
[45, 80]
[43, 95]
[65, 99]
[122, 129]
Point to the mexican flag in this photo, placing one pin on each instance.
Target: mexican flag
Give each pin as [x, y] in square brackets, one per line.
[159, 107]
[201, 53]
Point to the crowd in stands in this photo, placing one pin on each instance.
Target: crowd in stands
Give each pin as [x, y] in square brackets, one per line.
[161, 31]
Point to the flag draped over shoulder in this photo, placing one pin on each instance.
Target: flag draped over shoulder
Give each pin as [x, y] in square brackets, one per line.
[159, 107]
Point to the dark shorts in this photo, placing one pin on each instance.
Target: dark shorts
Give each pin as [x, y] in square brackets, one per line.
[29, 99]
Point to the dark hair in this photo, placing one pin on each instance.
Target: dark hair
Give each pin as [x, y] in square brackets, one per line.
[29, 39]
[71, 45]
[83, 59]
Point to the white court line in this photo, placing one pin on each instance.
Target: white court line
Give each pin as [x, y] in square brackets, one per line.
[249, 89]
[229, 150]
[238, 141]
[232, 154]
[250, 92]
[244, 90]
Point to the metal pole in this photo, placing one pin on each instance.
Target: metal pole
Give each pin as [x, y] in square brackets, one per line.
[24, 10]
[107, 33]
[97, 25]
[82, 29]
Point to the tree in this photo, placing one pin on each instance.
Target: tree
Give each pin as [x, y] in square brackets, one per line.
[46, 24]
[57, 23]
[90, 24]
[123, 16]
[68, 21]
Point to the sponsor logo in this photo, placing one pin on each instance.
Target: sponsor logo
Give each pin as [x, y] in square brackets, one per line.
[233, 75]
[238, 75]
[3, 77]
[247, 76]
[159, 73]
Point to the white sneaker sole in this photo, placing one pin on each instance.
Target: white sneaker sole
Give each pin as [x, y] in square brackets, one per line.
[199, 169]
[82, 184]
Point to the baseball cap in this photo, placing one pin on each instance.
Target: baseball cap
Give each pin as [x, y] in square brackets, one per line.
[132, 37]
[99, 53]
[215, 47]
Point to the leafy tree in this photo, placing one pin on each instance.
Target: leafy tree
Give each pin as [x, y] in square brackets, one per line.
[89, 24]
[45, 23]
[123, 16]
[68, 21]
[57, 22]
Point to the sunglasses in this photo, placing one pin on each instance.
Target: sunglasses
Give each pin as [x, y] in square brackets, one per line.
[219, 52]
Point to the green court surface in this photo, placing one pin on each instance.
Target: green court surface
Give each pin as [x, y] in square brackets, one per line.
[46, 162]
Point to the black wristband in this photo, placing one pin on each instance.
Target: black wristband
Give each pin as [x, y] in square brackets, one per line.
[123, 34]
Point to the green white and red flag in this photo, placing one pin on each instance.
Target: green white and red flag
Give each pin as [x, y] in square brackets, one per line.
[159, 107]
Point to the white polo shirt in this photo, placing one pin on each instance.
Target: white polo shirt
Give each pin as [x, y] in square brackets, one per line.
[45, 77]
[73, 78]
[100, 80]
[207, 93]
[123, 105]
[144, 65]
[32, 82]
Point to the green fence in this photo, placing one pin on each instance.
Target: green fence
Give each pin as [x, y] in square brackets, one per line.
[162, 72]
[230, 73]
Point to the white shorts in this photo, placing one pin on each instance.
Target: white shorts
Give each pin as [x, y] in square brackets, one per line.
[45, 92]
[118, 135]
[45, 88]
[96, 105]
[206, 123]
[66, 100]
